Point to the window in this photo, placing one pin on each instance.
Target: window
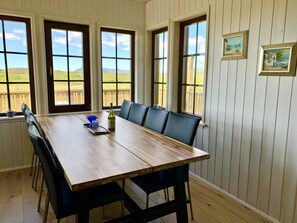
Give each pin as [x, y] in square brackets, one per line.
[16, 64]
[159, 69]
[192, 69]
[68, 66]
[117, 60]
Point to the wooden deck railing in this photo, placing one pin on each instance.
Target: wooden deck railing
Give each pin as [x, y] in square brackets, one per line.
[17, 98]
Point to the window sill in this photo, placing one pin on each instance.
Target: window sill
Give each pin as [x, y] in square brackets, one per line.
[5, 119]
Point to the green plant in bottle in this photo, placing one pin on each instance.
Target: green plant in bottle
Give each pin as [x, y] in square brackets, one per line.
[111, 119]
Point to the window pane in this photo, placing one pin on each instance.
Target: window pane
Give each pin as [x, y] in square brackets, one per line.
[75, 43]
[160, 93]
[165, 45]
[198, 100]
[19, 93]
[61, 93]
[2, 69]
[165, 71]
[200, 70]
[124, 92]
[59, 42]
[15, 36]
[187, 99]
[17, 68]
[77, 93]
[60, 68]
[124, 45]
[159, 45]
[108, 44]
[189, 70]
[109, 94]
[201, 37]
[76, 68]
[164, 92]
[1, 37]
[158, 77]
[3, 98]
[124, 70]
[109, 70]
[190, 39]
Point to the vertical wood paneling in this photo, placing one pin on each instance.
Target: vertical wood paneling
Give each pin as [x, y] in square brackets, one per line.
[71, 8]
[63, 6]
[9, 159]
[79, 9]
[129, 12]
[223, 80]
[46, 6]
[102, 10]
[26, 144]
[281, 124]
[192, 5]
[6, 4]
[17, 4]
[2, 160]
[216, 66]
[55, 9]
[181, 10]
[239, 107]
[27, 5]
[289, 181]
[17, 144]
[87, 9]
[268, 134]
[231, 153]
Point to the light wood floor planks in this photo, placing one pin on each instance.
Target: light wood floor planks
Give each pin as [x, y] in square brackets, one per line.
[18, 203]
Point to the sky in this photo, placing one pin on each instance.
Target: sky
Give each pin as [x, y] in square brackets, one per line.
[15, 34]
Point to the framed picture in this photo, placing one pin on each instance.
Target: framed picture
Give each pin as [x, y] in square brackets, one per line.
[278, 60]
[235, 45]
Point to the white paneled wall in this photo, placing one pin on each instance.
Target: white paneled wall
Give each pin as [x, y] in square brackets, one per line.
[15, 145]
[252, 123]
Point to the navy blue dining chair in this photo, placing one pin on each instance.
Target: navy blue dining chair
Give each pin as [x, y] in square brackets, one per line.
[125, 109]
[156, 119]
[182, 128]
[137, 113]
[64, 202]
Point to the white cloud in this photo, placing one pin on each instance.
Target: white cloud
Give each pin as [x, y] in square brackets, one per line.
[10, 36]
[122, 40]
[59, 40]
[19, 31]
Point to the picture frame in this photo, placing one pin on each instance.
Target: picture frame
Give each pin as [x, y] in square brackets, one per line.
[278, 60]
[235, 45]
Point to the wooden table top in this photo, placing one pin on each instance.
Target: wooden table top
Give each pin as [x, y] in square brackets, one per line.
[89, 160]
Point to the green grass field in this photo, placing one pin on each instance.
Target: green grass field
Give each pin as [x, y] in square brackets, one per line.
[21, 75]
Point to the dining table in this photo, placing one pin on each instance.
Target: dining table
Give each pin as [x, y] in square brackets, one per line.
[88, 160]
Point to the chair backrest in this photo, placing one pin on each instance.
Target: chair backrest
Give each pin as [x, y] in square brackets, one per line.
[156, 119]
[50, 169]
[125, 109]
[137, 113]
[25, 110]
[31, 119]
[182, 128]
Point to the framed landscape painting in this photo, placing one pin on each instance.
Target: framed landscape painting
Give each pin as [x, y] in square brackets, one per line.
[235, 45]
[278, 60]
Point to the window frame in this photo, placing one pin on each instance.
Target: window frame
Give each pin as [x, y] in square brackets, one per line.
[48, 25]
[132, 58]
[29, 53]
[154, 33]
[180, 70]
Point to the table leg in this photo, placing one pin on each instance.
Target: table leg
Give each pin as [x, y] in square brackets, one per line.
[180, 196]
[83, 210]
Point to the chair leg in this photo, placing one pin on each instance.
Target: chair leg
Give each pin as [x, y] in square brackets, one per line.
[167, 191]
[32, 162]
[165, 194]
[189, 194]
[40, 194]
[36, 180]
[34, 171]
[46, 208]
[147, 200]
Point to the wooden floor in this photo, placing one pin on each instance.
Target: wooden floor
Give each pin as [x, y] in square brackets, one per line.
[18, 203]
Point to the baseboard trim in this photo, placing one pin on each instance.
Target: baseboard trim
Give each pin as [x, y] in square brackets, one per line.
[207, 183]
[14, 168]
